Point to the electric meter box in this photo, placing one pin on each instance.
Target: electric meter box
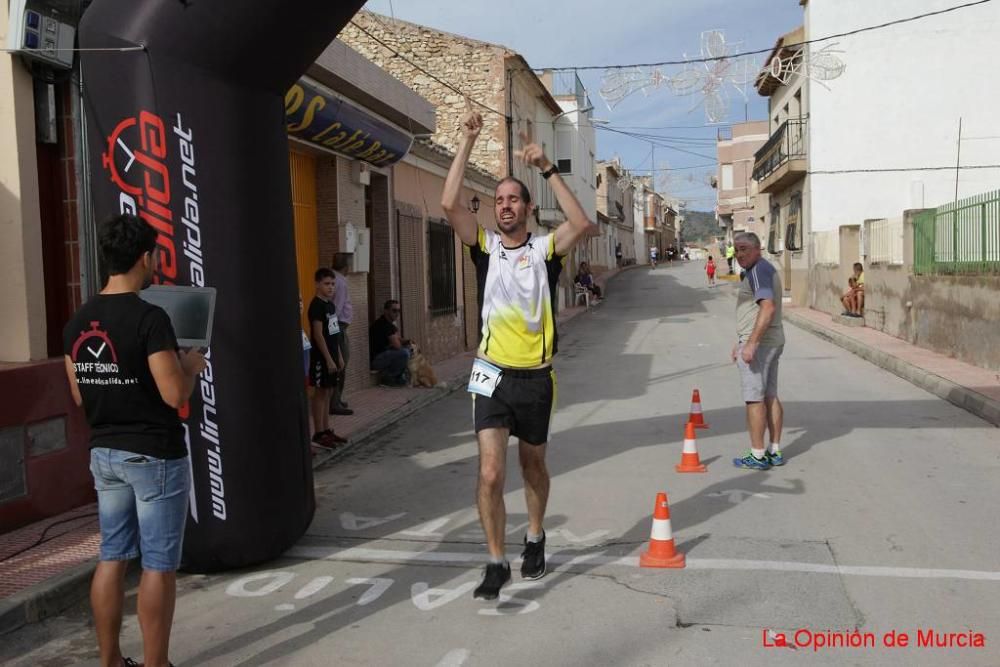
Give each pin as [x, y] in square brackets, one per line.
[41, 33]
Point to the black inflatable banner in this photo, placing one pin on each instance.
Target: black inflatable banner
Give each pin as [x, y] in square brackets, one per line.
[189, 134]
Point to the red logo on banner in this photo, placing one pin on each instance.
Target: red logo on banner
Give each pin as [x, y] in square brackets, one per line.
[135, 160]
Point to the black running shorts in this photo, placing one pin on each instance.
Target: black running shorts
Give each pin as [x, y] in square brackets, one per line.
[522, 402]
[319, 375]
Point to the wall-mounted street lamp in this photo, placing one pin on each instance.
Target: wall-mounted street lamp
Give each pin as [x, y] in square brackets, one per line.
[474, 204]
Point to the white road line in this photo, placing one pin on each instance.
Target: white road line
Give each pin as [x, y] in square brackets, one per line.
[366, 555]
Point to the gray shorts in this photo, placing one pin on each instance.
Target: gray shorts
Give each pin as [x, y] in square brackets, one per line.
[759, 378]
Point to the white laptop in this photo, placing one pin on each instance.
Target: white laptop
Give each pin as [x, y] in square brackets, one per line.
[191, 311]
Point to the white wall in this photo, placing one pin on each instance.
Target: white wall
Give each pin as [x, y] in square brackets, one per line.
[576, 139]
[639, 224]
[898, 104]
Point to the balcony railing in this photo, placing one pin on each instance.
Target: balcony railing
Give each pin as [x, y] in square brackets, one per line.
[787, 143]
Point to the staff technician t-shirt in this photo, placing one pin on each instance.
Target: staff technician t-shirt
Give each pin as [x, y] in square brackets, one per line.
[109, 341]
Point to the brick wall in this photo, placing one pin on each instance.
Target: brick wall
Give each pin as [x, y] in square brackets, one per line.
[477, 68]
[327, 216]
[446, 332]
[357, 334]
[60, 235]
[71, 220]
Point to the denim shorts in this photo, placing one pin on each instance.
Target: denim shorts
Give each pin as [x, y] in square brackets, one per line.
[142, 503]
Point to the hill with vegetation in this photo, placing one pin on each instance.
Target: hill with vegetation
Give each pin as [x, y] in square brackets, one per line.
[700, 227]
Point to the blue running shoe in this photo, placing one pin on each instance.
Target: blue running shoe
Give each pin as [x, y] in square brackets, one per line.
[775, 458]
[752, 462]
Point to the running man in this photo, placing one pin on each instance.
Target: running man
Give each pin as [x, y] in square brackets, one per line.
[653, 252]
[513, 385]
[760, 340]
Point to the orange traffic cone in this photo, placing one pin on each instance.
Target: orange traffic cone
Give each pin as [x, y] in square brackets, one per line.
[690, 462]
[661, 552]
[695, 416]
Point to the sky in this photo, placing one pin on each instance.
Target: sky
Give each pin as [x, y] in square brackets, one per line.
[566, 33]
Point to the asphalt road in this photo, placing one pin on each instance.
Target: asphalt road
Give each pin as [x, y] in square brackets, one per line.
[880, 522]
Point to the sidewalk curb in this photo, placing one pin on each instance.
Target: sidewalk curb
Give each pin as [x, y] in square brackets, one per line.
[384, 422]
[46, 598]
[969, 400]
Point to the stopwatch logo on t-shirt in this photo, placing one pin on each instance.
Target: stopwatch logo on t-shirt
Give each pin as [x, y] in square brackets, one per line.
[96, 361]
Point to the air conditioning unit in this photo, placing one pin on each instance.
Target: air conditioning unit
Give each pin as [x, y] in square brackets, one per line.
[41, 33]
[361, 172]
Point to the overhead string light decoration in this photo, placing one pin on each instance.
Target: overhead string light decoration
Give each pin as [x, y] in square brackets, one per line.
[618, 84]
[713, 80]
[823, 65]
[717, 73]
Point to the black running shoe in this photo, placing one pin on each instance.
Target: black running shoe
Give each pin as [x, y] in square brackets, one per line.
[533, 559]
[497, 574]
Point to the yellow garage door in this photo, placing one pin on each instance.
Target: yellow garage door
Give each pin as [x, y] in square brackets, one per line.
[303, 168]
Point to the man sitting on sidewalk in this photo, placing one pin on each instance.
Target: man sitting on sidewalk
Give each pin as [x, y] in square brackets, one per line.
[389, 354]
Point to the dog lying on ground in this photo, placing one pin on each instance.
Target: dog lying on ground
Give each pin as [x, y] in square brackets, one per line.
[421, 372]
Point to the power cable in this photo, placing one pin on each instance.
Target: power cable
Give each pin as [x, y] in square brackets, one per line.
[658, 143]
[694, 166]
[708, 59]
[887, 170]
[41, 538]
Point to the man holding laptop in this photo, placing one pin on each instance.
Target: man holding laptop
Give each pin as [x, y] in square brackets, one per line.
[126, 371]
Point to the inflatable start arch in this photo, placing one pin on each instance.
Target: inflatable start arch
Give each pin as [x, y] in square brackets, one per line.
[189, 133]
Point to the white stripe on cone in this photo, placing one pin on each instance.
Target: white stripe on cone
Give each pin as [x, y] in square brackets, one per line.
[689, 447]
[696, 408]
[661, 530]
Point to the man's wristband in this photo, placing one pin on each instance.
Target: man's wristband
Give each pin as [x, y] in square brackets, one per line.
[548, 172]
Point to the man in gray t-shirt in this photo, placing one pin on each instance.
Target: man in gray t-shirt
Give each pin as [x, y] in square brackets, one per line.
[760, 340]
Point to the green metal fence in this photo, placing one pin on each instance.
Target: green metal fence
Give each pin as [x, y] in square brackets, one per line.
[959, 238]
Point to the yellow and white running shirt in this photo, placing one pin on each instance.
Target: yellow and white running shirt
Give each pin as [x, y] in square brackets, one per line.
[517, 287]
